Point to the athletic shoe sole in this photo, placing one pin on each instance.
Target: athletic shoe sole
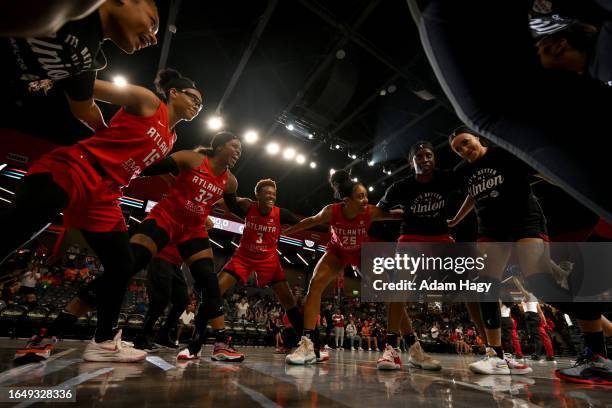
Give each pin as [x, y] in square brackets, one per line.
[421, 367]
[43, 352]
[225, 357]
[491, 372]
[387, 366]
[594, 381]
[111, 359]
[302, 362]
[520, 371]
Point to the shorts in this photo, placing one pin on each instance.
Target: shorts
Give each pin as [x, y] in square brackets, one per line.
[514, 237]
[93, 200]
[425, 238]
[177, 231]
[268, 271]
[346, 257]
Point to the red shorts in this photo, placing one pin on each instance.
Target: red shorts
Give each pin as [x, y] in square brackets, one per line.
[177, 231]
[347, 257]
[268, 271]
[171, 254]
[425, 238]
[93, 200]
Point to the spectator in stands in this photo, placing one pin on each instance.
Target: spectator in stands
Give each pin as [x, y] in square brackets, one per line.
[327, 316]
[186, 321]
[351, 334]
[273, 329]
[29, 280]
[9, 291]
[338, 322]
[242, 309]
[367, 332]
[30, 301]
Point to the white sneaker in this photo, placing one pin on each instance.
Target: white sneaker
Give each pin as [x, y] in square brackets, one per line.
[304, 354]
[352, 348]
[323, 356]
[490, 364]
[185, 354]
[112, 351]
[360, 349]
[417, 357]
[516, 367]
[390, 360]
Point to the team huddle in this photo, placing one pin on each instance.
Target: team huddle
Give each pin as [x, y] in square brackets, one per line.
[84, 182]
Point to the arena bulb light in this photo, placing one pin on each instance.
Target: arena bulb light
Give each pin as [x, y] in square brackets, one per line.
[300, 159]
[289, 153]
[251, 137]
[273, 148]
[313, 165]
[215, 123]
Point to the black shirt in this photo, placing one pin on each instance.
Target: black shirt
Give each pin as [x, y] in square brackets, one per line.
[69, 58]
[504, 203]
[424, 204]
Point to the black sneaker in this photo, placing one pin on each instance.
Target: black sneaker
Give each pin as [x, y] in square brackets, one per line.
[141, 342]
[535, 357]
[550, 358]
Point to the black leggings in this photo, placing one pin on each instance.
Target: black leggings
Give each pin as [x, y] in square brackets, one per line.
[37, 202]
[113, 250]
[532, 323]
[165, 284]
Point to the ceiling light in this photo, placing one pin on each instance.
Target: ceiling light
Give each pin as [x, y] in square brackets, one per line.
[215, 123]
[289, 153]
[313, 165]
[300, 159]
[273, 148]
[251, 136]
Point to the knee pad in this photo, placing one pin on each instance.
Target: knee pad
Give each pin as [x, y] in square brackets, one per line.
[491, 314]
[207, 283]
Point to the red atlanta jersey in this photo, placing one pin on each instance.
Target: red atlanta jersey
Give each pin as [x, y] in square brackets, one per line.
[349, 234]
[261, 233]
[193, 194]
[131, 143]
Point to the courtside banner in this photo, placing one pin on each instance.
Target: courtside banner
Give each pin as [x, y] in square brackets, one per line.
[486, 271]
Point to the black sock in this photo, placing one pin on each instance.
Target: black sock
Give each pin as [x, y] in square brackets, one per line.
[220, 335]
[596, 342]
[62, 322]
[498, 350]
[195, 345]
[392, 339]
[410, 339]
[104, 335]
[296, 319]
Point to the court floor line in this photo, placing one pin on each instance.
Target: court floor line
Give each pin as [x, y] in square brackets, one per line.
[257, 396]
